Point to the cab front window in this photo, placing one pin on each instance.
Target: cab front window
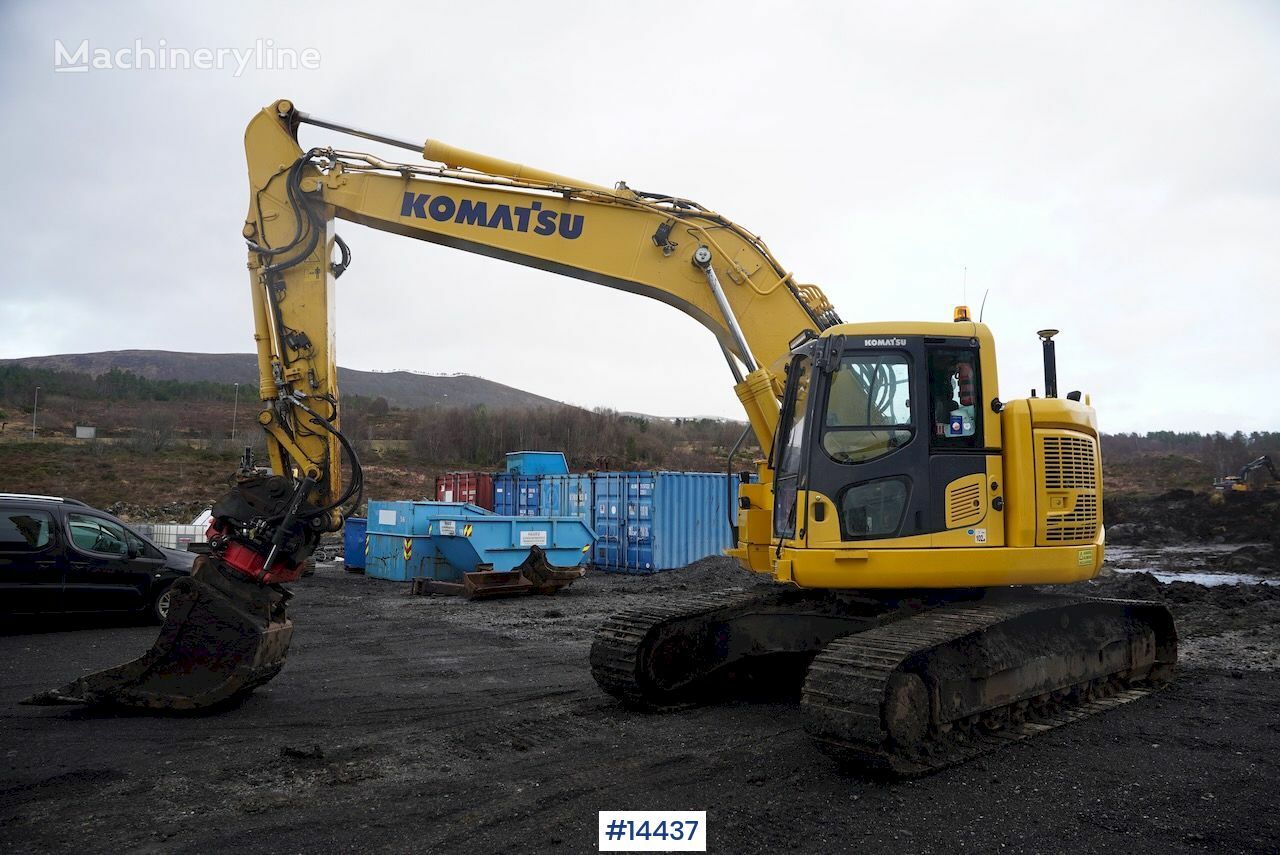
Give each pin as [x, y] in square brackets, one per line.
[868, 412]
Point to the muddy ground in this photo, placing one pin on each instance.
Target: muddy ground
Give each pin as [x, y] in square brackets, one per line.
[1181, 516]
[427, 724]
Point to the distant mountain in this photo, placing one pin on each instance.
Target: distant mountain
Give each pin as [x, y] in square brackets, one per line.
[400, 388]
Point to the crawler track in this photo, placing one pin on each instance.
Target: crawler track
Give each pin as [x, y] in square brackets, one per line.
[664, 656]
[952, 683]
[623, 663]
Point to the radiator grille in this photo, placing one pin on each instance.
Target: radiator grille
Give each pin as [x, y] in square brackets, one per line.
[1070, 510]
[1080, 523]
[1069, 463]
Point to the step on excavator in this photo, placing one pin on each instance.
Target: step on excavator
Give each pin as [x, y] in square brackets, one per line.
[904, 520]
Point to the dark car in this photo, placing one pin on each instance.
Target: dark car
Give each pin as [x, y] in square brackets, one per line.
[60, 555]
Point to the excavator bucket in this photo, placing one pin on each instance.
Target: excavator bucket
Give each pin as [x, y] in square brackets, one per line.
[545, 577]
[223, 637]
[486, 584]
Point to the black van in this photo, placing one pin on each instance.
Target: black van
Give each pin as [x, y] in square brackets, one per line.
[60, 555]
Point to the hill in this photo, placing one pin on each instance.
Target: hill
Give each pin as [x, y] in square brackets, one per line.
[400, 388]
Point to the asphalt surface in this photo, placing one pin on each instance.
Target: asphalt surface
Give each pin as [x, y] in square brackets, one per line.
[406, 724]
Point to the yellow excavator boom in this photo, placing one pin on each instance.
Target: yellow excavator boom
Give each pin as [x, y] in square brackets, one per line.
[662, 247]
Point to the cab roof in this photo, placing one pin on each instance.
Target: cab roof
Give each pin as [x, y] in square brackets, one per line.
[964, 329]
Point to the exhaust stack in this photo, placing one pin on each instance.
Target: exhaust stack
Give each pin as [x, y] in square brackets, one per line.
[1050, 363]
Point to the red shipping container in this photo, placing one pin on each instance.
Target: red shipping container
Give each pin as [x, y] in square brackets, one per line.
[473, 487]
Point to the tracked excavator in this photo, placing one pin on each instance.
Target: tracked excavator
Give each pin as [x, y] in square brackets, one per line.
[1239, 482]
[903, 518]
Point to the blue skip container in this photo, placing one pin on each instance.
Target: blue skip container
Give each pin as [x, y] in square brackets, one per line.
[400, 545]
[353, 542]
[464, 541]
[443, 540]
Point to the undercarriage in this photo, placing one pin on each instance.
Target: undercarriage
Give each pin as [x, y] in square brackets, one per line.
[899, 682]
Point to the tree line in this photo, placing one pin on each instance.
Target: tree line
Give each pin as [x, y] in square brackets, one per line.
[1226, 453]
[480, 436]
[18, 384]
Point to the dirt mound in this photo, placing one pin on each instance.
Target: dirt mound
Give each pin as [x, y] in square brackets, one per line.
[180, 513]
[1183, 515]
[1260, 559]
[1199, 609]
[1219, 626]
[713, 573]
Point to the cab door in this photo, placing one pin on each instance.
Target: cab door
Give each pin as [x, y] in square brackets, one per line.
[107, 570]
[31, 562]
[958, 457]
[867, 452]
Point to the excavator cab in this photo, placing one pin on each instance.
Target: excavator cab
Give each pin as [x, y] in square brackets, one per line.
[896, 464]
[879, 425]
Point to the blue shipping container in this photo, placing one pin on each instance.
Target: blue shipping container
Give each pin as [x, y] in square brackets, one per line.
[543, 495]
[651, 521]
[516, 495]
[565, 496]
[353, 542]
[537, 463]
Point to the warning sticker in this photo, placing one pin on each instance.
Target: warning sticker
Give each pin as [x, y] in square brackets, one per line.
[533, 538]
[979, 535]
[448, 527]
[386, 517]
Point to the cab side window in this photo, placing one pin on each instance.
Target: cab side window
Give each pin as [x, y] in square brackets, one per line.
[94, 534]
[954, 412]
[24, 530]
[789, 463]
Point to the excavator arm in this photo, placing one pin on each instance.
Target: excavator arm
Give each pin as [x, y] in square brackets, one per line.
[1263, 462]
[658, 246]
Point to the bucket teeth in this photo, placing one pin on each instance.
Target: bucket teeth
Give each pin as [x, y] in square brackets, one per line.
[224, 636]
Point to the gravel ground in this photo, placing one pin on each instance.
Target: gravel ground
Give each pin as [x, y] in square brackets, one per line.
[431, 724]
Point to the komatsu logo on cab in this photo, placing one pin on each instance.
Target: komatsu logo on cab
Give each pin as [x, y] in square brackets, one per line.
[884, 342]
[509, 218]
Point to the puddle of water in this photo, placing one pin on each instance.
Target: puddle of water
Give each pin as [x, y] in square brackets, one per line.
[1206, 579]
[1194, 562]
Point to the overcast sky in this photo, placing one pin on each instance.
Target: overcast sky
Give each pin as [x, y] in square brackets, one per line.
[1109, 169]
